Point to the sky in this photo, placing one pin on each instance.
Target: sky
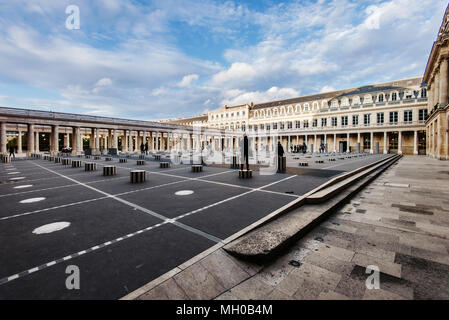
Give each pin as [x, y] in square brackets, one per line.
[153, 60]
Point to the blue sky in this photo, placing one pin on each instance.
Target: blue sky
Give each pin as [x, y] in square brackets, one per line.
[166, 59]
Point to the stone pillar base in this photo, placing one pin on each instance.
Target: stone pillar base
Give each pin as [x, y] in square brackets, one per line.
[245, 174]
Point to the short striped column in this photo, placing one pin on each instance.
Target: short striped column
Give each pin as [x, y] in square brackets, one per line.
[164, 165]
[331, 159]
[140, 162]
[197, 168]
[57, 160]
[282, 164]
[234, 164]
[87, 156]
[319, 161]
[157, 157]
[97, 158]
[66, 162]
[123, 160]
[245, 174]
[90, 166]
[142, 156]
[45, 157]
[76, 163]
[109, 170]
[51, 159]
[6, 159]
[303, 164]
[108, 159]
[138, 176]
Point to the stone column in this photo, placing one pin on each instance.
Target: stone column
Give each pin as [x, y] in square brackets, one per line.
[19, 142]
[3, 137]
[115, 139]
[67, 140]
[314, 143]
[358, 137]
[415, 143]
[76, 140]
[443, 82]
[436, 96]
[125, 141]
[36, 143]
[385, 143]
[97, 139]
[348, 142]
[400, 142]
[335, 142]
[30, 139]
[371, 142]
[55, 139]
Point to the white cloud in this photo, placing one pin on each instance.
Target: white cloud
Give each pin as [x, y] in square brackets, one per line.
[237, 97]
[187, 80]
[327, 89]
[238, 71]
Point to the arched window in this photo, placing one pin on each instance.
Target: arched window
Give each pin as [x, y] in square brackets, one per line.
[394, 96]
[334, 104]
[380, 98]
[315, 106]
[306, 107]
[423, 93]
[298, 108]
[356, 100]
[290, 109]
[367, 99]
[345, 102]
[282, 111]
[275, 112]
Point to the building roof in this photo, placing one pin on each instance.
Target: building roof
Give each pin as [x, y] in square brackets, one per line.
[392, 85]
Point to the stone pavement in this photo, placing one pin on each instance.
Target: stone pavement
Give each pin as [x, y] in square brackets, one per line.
[399, 223]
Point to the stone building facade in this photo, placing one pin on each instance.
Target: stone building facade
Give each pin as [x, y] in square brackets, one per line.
[386, 118]
[436, 76]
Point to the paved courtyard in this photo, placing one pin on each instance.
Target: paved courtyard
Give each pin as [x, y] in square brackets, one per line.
[399, 223]
[123, 235]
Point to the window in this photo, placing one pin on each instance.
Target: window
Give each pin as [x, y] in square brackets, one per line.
[393, 117]
[334, 104]
[366, 119]
[323, 122]
[423, 93]
[368, 99]
[281, 126]
[409, 94]
[275, 126]
[394, 96]
[238, 113]
[268, 127]
[297, 124]
[334, 121]
[381, 98]
[289, 125]
[344, 121]
[243, 113]
[262, 127]
[422, 113]
[355, 120]
[243, 127]
[306, 123]
[408, 116]
[356, 100]
[315, 123]
[380, 118]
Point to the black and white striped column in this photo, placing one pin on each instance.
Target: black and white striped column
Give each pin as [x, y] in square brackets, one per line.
[109, 170]
[138, 176]
[76, 164]
[197, 168]
[90, 166]
[140, 162]
[164, 165]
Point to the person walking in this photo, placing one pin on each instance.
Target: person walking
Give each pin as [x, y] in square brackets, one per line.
[146, 148]
[11, 151]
